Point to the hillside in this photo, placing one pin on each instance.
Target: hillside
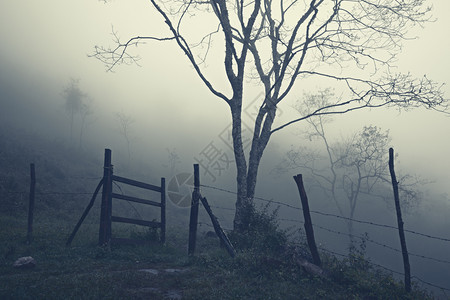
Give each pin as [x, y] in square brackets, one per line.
[265, 267]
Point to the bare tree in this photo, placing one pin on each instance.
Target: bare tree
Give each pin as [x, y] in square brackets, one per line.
[125, 122]
[347, 170]
[173, 159]
[85, 112]
[74, 101]
[281, 44]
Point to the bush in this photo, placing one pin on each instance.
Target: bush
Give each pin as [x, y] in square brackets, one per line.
[263, 234]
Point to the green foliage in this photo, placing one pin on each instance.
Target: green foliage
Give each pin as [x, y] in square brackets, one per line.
[358, 277]
[86, 271]
[263, 234]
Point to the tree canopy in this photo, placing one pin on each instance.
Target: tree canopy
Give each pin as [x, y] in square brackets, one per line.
[351, 44]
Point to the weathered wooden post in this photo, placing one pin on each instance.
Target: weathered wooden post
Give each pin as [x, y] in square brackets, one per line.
[163, 210]
[31, 204]
[401, 231]
[217, 228]
[194, 211]
[308, 223]
[106, 210]
[85, 213]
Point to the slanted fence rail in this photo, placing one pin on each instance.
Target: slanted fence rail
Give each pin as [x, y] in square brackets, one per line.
[106, 217]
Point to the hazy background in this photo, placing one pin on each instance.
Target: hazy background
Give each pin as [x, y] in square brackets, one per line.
[44, 44]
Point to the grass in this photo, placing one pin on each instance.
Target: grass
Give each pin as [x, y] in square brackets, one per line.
[82, 271]
[264, 267]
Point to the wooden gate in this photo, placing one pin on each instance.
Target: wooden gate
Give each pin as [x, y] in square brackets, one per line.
[106, 217]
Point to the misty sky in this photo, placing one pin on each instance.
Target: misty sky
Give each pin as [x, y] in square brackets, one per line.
[45, 43]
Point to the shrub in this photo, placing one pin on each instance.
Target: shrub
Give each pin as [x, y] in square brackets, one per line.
[263, 234]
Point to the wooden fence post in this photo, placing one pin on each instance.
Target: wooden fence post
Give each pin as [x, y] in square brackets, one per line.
[194, 211]
[105, 214]
[31, 204]
[85, 213]
[219, 231]
[308, 223]
[163, 210]
[400, 223]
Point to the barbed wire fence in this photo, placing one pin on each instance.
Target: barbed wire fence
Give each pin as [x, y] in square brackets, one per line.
[340, 233]
[22, 194]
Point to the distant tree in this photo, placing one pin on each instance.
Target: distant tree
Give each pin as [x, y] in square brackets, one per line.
[85, 112]
[349, 169]
[277, 44]
[173, 159]
[73, 101]
[125, 122]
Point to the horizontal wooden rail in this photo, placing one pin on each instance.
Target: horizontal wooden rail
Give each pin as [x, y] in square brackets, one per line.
[137, 222]
[137, 183]
[134, 199]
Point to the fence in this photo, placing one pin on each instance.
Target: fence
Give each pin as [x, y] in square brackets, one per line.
[340, 233]
[193, 220]
[107, 218]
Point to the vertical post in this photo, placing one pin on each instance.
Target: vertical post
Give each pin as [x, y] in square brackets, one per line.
[31, 204]
[105, 213]
[163, 210]
[308, 223]
[400, 223]
[194, 211]
[109, 219]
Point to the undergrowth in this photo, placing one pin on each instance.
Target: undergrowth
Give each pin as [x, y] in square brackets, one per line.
[265, 266]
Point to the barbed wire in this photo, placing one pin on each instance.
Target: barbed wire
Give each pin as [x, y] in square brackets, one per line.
[223, 208]
[380, 244]
[380, 225]
[271, 201]
[372, 263]
[390, 270]
[65, 177]
[338, 216]
[258, 198]
[63, 193]
[50, 193]
[212, 226]
[81, 177]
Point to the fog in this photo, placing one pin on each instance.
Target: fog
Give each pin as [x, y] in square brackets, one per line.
[46, 43]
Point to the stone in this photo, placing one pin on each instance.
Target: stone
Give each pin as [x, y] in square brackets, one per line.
[151, 271]
[26, 262]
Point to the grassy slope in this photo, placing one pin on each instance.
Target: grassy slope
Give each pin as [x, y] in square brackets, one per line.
[86, 271]
[263, 268]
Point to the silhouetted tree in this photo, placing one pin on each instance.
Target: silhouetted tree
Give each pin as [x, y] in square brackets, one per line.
[349, 169]
[173, 159]
[280, 43]
[125, 122]
[74, 101]
[85, 112]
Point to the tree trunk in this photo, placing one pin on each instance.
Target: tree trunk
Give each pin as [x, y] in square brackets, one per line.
[247, 177]
[243, 203]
